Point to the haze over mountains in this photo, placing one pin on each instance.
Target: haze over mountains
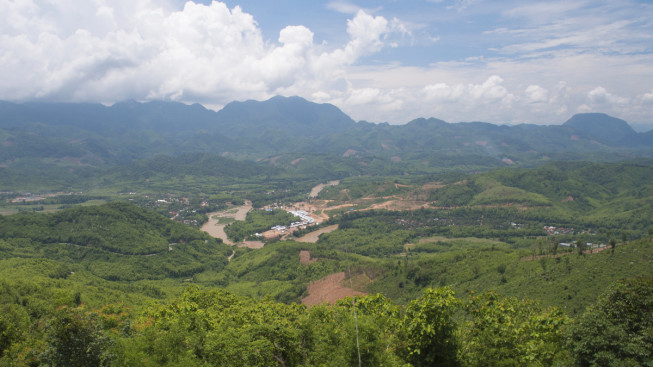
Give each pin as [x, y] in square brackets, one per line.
[97, 135]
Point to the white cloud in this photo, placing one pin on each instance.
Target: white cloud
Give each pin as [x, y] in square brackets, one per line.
[537, 94]
[543, 70]
[600, 96]
[343, 7]
[647, 97]
[346, 7]
[363, 96]
[136, 49]
[491, 89]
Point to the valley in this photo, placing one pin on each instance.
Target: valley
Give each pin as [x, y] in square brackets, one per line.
[216, 223]
[162, 248]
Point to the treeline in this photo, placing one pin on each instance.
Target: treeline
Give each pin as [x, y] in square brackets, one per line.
[215, 327]
[115, 241]
[115, 227]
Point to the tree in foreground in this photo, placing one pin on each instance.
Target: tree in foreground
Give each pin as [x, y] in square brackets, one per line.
[75, 338]
[430, 329]
[618, 329]
[511, 332]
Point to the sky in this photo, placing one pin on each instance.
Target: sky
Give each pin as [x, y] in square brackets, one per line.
[499, 61]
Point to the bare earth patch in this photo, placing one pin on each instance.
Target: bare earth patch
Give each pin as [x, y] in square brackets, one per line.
[315, 235]
[316, 190]
[400, 205]
[329, 289]
[305, 257]
[252, 244]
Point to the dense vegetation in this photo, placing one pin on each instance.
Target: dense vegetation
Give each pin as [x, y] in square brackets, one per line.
[116, 241]
[454, 231]
[216, 327]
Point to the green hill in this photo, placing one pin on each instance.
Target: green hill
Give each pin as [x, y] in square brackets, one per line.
[116, 241]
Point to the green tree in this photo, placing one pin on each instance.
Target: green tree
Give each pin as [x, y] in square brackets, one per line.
[13, 324]
[624, 237]
[430, 329]
[74, 338]
[510, 332]
[618, 329]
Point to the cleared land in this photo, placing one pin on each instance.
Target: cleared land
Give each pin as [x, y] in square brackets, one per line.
[315, 235]
[316, 190]
[252, 244]
[328, 290]
[305, 257]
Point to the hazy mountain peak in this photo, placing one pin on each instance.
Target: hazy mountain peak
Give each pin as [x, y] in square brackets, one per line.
[603, 128]
[284, 114]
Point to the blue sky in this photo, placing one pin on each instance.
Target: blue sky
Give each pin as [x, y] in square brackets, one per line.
[499, 61]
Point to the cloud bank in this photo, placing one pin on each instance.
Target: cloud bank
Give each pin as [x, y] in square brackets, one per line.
[108, 51]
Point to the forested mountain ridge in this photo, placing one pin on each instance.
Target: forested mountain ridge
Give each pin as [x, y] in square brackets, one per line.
[97, 134]
[97, 283]
[513, 219]
[115, 241]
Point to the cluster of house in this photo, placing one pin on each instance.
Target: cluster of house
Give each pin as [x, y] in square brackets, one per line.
[303, 215]
[551, 230]
[588, 245]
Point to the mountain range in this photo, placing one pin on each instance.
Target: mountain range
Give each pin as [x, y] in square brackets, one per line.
[99, 136]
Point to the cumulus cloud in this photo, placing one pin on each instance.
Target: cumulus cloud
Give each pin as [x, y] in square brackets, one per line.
[107, 51]
[111, 50]
[601, 96]
[647, 98]
[491, 90]
[537, 94]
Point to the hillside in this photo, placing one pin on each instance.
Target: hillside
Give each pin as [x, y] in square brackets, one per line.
[604, 129]
[78, 137]
[116, 241]
[473, 246]
[456, 239]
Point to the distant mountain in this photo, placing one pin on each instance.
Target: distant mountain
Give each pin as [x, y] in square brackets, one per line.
[604, 129]
[165, 117]
[75, 136]
[293, 116]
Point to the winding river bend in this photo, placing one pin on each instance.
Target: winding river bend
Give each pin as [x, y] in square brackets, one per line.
[215, 229]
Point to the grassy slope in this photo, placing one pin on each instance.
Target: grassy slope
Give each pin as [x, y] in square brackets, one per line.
[468, 265]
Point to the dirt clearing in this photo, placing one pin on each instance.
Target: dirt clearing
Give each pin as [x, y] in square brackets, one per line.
[316, 190]
[305, 257]
[252, 244]
[329, 289]
[315, 235]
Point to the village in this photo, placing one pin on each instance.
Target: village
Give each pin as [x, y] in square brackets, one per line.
[306, 220]
[554, 231]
